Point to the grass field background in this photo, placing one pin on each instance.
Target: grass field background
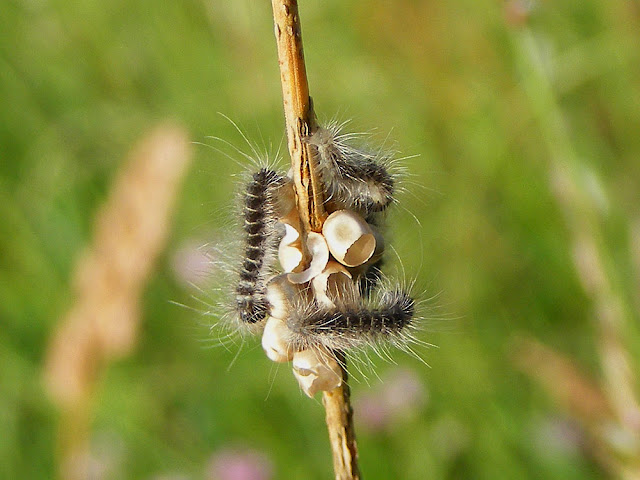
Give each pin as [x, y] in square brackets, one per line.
[521, 121]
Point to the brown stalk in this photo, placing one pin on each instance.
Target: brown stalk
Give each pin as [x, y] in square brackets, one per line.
[300, 122]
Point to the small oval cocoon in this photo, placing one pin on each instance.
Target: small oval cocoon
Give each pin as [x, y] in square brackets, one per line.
[280, 295]
[289, 252]
[349, 238]
[275, 341]
[335, 278]
[319, 257]
[316, 371]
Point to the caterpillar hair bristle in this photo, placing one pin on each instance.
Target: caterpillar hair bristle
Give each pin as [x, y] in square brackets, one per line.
[355, 323]
[259, 213]
[355, 178]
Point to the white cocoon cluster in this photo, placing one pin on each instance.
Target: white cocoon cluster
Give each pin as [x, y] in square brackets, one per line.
[290, 249]
[316, 371]
[379, 250]
[350, 240]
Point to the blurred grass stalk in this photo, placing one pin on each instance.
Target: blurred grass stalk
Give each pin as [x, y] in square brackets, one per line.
[129, 232]
[616, 427]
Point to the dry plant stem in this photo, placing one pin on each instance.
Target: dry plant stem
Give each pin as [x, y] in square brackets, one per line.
[298, 111]
[300, 122]
[339, 416]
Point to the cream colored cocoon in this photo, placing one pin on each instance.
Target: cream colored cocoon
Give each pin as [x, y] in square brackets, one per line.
[349, 238]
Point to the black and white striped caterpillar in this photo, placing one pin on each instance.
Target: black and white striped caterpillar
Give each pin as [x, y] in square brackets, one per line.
[354, 178]
[355, 324]
[259, 225]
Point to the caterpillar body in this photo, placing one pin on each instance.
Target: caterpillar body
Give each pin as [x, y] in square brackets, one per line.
[356, 324]
[355, 179]
[259, 219]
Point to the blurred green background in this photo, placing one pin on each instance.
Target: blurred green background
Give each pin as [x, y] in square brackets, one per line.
[493, 99]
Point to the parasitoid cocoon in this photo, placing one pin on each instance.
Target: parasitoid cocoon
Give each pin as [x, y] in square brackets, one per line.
[379, 250]
[280, 294]
[334, 278]
[275, 340]
[316, 371]
[289, 251]
[349, 238]
[319, 258]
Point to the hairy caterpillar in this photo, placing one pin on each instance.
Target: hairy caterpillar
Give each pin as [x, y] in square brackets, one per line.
[354, 178]
[354, 324]
[259, 219]
[340, 319]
